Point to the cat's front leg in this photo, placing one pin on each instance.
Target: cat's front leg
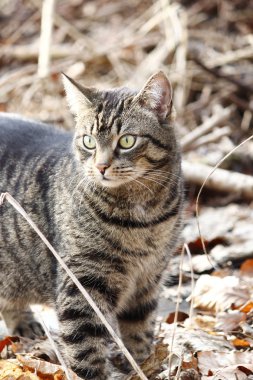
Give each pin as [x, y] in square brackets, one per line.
[84, 339]
[137, 324]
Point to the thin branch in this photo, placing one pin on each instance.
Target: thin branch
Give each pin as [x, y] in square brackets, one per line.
[207, 126]
[47, 19]
[207, 179]
[221, 180]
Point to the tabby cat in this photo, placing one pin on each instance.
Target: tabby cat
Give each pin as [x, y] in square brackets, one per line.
[109, 200]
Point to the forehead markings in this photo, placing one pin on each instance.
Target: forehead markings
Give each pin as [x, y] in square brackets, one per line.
[98, 114]
[108, 115]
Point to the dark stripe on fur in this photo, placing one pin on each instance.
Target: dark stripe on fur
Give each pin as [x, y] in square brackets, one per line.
[72, 314]
[115, 262]
[139, 313]
[157, 142]
[97, 283]
[88, 373]
[84, 354]
[134, 223]
[84, 331]
[161, 162]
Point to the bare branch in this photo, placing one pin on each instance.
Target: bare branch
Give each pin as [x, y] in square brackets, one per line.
[221, 180]
[45, 37]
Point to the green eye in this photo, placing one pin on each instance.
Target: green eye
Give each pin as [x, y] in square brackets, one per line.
[127, 141]
[89, 142]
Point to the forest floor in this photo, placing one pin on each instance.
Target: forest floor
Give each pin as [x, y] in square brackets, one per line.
[206, 49]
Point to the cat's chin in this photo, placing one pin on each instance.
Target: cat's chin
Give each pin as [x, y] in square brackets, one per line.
[110, 183]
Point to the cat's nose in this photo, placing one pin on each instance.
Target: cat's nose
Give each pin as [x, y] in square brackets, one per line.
[102, 167]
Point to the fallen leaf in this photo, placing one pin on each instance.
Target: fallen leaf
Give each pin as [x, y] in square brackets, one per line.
[218, 294]
[181, 317]
[43, 368]
[247, 307]
[246, 268]
[229, 321]
[240, 343]
[8, 341]
[10, 369]
[225, 363]
[152, 365]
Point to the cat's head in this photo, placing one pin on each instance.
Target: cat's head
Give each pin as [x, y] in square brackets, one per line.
[121, 135]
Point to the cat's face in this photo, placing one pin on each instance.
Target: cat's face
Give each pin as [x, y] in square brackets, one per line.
[121, 136]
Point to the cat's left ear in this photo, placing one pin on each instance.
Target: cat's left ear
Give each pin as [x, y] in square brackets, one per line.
[156, 96]
[79, 98]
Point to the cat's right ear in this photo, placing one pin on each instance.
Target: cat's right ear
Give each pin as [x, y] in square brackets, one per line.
[79, 98]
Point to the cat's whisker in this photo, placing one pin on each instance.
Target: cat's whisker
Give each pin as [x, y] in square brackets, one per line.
[158, 183]
[154, 176]
[166, 172]
[140, 183]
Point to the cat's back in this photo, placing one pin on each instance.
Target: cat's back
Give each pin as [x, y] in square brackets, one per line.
[18, 134]
[29, 152]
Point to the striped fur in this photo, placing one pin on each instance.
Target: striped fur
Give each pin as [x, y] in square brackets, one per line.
[115, 234]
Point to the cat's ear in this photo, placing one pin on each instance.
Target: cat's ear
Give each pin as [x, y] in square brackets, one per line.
[156, 95]
[79, 98]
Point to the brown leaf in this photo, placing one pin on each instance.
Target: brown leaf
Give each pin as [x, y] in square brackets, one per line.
[247, 307]
[245, 370]
[8, 341]
[181, 317]
[43, 368]
[240, 343]
[247, 267]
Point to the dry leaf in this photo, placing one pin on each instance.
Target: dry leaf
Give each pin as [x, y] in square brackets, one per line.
[11, 369]
[8, 341]
[240, 343]
[218, 294]
[152, 365]
[181, 317]
[43, 368]
[229, 321]
[246, 268]
[225, 364]
[247, 307]
[189, 341]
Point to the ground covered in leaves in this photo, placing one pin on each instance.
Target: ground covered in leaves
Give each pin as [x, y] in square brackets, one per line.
[206, 49]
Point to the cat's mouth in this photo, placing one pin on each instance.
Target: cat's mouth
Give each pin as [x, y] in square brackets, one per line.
[112, 182]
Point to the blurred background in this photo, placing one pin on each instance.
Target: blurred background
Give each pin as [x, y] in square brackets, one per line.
[205, 47]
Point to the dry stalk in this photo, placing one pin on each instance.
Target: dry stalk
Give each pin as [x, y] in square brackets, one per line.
[86, 295]
[212, 137]
[231, 56]
[203, 185]
[52, 342]
[222, 180]
[207, 126]
[192, 279]
[47, 20]
[177, 306]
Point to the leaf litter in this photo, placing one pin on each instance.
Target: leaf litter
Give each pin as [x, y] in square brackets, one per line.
[216, 341]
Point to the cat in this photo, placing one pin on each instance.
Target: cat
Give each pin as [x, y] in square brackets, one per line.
[109, 199]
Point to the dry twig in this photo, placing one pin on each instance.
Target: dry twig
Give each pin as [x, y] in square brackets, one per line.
[221, 180]
[45, 37]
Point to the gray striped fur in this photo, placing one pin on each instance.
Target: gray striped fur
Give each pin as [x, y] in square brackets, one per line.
[116, 235]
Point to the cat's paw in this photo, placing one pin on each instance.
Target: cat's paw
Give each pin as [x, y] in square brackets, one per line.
[28, 328]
